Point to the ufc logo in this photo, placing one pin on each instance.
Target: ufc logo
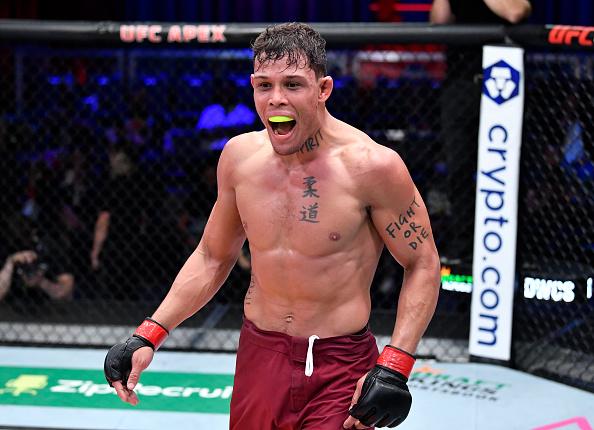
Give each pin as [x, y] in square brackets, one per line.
[567, 34]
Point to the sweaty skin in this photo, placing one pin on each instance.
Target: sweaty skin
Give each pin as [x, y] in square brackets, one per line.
[304, 280]
[292, 200]
[318, 200]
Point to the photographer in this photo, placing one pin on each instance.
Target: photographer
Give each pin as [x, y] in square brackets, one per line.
[34, 277]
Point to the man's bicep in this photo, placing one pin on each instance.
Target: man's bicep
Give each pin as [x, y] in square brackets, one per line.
[224, 234]
[405, 228]
[399, 213]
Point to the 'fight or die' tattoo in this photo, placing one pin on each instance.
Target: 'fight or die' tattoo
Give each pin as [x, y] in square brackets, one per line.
[413, 232]
[309, 212]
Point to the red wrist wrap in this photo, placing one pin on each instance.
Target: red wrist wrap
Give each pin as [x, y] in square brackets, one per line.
[152, 331]
[396, 359]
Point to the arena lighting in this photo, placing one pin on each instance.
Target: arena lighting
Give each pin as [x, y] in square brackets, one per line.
[242, 82]
[60, 79]
[534, 288]
[150, 81]
[404, 7]
[194, 81]
[555, 290]
[455, 282]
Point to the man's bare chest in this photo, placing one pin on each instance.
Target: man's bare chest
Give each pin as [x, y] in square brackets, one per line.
[305, 210]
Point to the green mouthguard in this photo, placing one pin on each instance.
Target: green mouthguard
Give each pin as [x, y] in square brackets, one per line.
[280, 118]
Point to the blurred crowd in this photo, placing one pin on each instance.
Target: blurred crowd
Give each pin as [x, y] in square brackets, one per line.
[106, 205]
[107, 183]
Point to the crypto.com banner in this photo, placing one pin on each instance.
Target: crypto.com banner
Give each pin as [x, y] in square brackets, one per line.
[500, 135]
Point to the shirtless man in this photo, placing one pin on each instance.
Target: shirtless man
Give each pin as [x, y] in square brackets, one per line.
[318, 200]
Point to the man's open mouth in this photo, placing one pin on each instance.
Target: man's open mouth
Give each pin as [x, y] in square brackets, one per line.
[281, 125]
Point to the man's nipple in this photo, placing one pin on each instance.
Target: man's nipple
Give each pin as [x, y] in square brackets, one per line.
[334, 236]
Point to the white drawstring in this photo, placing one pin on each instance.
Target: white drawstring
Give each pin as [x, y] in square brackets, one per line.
[309, 360]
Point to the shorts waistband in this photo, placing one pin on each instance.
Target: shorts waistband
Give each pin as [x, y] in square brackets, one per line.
[296, 347]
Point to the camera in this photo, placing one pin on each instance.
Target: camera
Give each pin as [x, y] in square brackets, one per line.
[39, 266]
[29, 270]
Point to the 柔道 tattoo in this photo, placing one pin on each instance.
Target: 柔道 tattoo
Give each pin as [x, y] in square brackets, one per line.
[309, 183]
[309, 212]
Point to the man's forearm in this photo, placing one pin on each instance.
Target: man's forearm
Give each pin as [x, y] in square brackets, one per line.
[6, 277]
[196, 283]
[416, 304]
[441, 13]
[101, 231]
[59, 289]
[512, 11]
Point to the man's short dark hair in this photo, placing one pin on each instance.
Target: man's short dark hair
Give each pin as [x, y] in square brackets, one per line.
[295, 42]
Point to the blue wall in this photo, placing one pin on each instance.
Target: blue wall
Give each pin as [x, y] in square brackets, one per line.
[577, 12]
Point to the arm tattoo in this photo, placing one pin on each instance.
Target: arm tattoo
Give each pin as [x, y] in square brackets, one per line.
[414, 233]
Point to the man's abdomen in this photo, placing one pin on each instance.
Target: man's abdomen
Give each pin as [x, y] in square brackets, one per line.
[302, 296]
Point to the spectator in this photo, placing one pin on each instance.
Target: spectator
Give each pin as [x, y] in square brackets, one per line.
[34, 275]
[42, 273]
[11, 182]
[79, 198]
[480, 11]
[224, 117]
[117, 248]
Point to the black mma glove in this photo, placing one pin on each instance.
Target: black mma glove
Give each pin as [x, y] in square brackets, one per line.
[118, 361]
[385, 400]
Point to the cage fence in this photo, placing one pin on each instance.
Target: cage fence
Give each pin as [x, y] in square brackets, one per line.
[108, 165]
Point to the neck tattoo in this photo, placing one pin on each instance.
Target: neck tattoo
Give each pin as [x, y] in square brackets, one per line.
[311, 143]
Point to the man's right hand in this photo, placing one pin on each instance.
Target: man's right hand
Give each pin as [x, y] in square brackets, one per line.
[125, 361]
[123, 365]
[23, 257]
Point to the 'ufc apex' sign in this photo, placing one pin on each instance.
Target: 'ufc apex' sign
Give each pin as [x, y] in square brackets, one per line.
[155, 33]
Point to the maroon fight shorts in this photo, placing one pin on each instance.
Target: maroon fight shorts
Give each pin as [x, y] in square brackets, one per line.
[272, 392]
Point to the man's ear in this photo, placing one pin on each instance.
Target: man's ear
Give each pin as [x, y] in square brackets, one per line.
[326, 86]
[252, 80]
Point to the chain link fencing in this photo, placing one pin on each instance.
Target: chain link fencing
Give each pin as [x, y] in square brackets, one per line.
[123, 143]
[108, 174]
[554, 308]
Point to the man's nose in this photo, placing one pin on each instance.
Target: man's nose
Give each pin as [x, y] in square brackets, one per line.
[277, 97]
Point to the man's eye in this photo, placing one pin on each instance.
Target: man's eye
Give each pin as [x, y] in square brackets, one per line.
[293, 85]
[264, 85]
